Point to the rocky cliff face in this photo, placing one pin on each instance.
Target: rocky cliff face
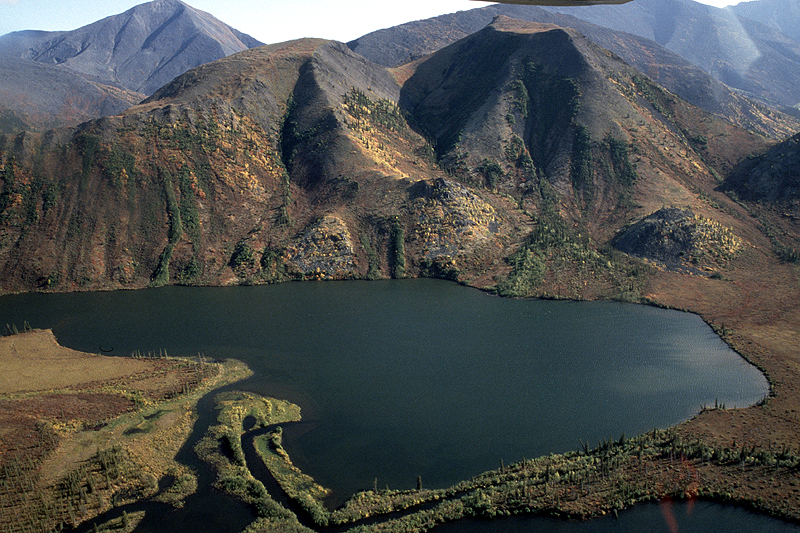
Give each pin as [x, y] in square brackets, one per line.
[506, 160]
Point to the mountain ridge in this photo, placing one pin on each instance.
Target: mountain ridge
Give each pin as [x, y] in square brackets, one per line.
[743, 53]
[131, 54]
[393, 46]
[304, 155]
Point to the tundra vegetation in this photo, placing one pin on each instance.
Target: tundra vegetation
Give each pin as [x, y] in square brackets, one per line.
[224, 174]
[105, 432]
[614, 474]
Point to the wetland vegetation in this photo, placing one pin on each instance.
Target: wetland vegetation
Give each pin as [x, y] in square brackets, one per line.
[413, 473]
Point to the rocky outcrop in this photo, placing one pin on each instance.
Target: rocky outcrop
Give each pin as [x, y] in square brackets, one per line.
[324, 251]
[679, 240]
[449, 219]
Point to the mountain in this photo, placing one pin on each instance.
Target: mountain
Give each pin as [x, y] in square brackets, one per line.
[508, 159]
[61, 97]
[407, 42]
[781, 15]
[772, 177]
[743, 53]
[106, 66]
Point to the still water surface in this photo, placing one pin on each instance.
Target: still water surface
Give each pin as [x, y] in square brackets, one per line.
[400, 379]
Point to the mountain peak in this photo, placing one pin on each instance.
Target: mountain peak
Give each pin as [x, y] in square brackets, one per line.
[144, 47]
[512, 25]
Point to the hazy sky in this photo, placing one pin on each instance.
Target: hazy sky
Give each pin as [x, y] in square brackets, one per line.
[269, 21]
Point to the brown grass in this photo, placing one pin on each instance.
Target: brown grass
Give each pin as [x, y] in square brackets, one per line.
[60, 408]
[34, 361]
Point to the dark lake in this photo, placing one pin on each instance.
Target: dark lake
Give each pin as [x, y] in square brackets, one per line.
[399, 379]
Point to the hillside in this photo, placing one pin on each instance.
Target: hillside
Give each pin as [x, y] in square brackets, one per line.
[295, 161]
[65, 78]
[61, 97]
[781, 15]
[745, 54]
[398, 45]
[523, 159]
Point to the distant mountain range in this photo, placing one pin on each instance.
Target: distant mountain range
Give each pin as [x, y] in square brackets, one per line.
[106, 66]
[507, 159]
[745, 46]
[634, 38]
[696, 51]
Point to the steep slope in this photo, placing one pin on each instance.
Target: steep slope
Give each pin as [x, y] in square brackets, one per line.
[781, 15]
[530, 148]
[144, 47]
[740, 52]
[284, 161]
[773, 176]
[768, 183]
[407, 42]
[547, 88]
[61, 96]
[63, 78]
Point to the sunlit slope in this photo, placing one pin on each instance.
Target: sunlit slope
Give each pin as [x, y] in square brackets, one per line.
[304, 160]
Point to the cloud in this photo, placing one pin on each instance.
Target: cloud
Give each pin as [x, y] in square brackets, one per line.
[8, 2]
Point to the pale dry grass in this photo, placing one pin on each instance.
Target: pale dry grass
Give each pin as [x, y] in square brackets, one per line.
[34, 361]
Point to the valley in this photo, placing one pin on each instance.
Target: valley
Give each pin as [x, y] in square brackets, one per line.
[520, 151]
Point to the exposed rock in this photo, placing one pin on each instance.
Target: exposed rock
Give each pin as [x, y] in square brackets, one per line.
[450, 218]
[679, 240]
[324, 251]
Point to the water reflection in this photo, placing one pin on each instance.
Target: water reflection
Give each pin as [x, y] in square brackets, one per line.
[422, 377]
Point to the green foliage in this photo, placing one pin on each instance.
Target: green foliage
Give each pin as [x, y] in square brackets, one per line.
[491, 172]
[373, 270]
[242, 255]
[381, 112]
[89, 147]
[119, 162]
[621, 170]
[527, 273]
[272, 267]
[440, 267]
[190, 217]
[624, 172]
[173, 208]
[191, 271]
[49, 197]
[655, 95]
[521, 97]
[582, 165]
[554, 245]
[161, 274]
[9, 186]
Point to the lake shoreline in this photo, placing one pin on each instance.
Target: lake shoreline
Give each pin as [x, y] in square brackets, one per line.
[767, 429]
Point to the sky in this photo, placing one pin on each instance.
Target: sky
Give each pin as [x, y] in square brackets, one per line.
[269, 21]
